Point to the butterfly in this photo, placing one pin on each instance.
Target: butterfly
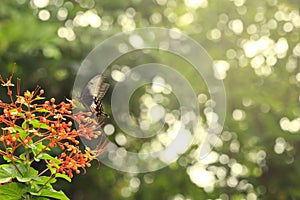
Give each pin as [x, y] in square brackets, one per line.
[92, 94]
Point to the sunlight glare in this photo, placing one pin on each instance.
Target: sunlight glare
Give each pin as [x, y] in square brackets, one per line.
[196, 3]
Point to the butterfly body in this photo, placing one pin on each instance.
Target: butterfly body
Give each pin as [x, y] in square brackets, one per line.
[92, 94]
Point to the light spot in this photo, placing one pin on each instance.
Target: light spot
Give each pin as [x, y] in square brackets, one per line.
[196, 3]
[281, 46]
[271, 60]
[185, 19]
[155, 18]
[247, 102]
[161, 2]
[66, 32]
[239, 3]
[212, 157]
[220, 69]
[135, 182]
[136, 41]
[284, 123]
[211, 117]
[250, 49]
[158, 84]
[236, 26]
[272, 24]
[238, 115]
[288, 27]
[123, 48]
[296, 50]
[44, 15]
[231, 53]
[156, 113]
[234, 146]
[202, 98]
[279, 145]
[125, 192]
[148, 178]
[215, 34]
[62, 14]
[41, 3]
[292, 126]
[257, 61]
[252, 29]
[251, 196]
[232, 182]
[118, 75]
[109, 129]
[298, 77]
[236, 169]
[90, 17]
[120, 139]
[201, 177]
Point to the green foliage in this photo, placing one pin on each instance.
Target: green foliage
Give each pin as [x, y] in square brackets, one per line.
[28, 183]
[264, 87]
[35, 132]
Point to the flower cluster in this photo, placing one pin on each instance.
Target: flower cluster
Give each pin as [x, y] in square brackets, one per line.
[38, 127]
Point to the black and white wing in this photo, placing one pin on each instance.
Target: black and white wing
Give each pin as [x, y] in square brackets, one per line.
[94, 89]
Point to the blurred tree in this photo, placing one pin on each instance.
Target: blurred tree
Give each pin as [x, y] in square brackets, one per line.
[255, 45]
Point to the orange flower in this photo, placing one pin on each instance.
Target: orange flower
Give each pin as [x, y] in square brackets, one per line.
[28, 121]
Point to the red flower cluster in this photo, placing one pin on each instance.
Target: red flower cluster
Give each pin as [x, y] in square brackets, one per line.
[31, 123]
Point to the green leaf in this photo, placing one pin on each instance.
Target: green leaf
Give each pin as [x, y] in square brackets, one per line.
[43, 110]
[38, 98]
[23, 156]
[52, 168]
[36, 149]
[27, 93]
[37, 124]
[40, 198]
[24, 124]
[21, 131]
[46, 156]
[7, 159]
[40, 147]
[4, 176]
[28, 175]
[48, 192]
[12, 191]
[45, 179]
[9, 169]
[64, 176]
[14, 112]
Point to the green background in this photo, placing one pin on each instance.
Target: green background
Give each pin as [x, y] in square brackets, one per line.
[258, 43]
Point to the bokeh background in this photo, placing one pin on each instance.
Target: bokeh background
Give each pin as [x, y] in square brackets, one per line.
[256, 49]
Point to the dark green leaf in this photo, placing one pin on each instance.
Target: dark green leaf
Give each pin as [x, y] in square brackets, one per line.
[28, 175]
[4, 176]
[12, 191]
[10, 169]
[48, 192]
[39, 198]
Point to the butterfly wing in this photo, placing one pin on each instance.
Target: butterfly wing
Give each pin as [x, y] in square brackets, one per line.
[95, 88]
